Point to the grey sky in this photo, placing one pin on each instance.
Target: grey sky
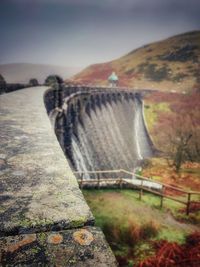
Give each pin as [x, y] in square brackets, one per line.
[82, 32]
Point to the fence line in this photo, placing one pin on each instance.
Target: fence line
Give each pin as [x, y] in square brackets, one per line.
[121, 180]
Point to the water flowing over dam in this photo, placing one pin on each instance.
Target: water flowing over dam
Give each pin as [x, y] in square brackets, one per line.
[102, 129]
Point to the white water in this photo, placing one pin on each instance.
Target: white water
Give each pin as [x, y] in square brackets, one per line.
[85, 147]
[113, 137]
[119, 141]
[80, 162]
[136, 125]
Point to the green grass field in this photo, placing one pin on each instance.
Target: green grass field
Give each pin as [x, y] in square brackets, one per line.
[130, 224]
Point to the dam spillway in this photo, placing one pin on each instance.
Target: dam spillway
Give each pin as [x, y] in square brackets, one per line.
[101, 128]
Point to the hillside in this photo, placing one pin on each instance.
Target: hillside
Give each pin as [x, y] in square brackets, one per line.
[172, 64]
[23, 72]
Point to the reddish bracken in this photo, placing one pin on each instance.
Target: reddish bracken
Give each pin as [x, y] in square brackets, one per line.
[194, 207]
[175, 255]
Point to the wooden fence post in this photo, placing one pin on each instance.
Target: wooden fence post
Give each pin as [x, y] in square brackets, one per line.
[141, 190]
[120, 183]
[162, 196]
[81, 186]
[188, 204]
[98, 176]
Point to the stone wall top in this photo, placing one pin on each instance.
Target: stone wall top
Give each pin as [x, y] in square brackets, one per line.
[38, 189]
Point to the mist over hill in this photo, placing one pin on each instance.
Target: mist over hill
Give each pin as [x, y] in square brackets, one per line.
[171, 64]
[23, 72]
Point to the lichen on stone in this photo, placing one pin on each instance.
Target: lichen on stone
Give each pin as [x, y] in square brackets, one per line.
[55, 239]
[83, 237]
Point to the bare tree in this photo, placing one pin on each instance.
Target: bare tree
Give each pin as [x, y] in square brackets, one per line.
[178, 131]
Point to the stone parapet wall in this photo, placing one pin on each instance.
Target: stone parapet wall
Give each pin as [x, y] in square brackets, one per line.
[39, 193]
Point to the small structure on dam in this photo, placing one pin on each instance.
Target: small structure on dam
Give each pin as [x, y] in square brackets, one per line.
[113, 79]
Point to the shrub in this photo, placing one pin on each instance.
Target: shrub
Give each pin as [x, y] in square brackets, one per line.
[179, 77]
[181, 54]
[53, 80]
[129, 71]
[154, 73]
[2, 85]
[10, 87]
[141, 67]
[33, 82]
[149, 230]
[146, 163]
[129, 233]
[171, 254]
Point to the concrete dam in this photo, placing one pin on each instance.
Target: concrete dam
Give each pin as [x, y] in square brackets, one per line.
[100, 128]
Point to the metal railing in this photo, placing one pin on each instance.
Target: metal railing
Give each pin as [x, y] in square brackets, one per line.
[143, 184]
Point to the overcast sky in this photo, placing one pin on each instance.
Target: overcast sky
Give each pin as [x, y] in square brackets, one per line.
[83, 32]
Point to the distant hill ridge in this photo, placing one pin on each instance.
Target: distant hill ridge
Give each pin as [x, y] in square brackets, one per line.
[171, 64]
[23, 72]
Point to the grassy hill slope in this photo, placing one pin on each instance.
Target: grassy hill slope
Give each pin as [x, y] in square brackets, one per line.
[169, 65]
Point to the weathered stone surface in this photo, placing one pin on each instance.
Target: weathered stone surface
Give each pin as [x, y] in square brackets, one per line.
[38, 191]
[78, 247]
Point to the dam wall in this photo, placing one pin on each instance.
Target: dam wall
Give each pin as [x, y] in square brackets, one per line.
[100, 128]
